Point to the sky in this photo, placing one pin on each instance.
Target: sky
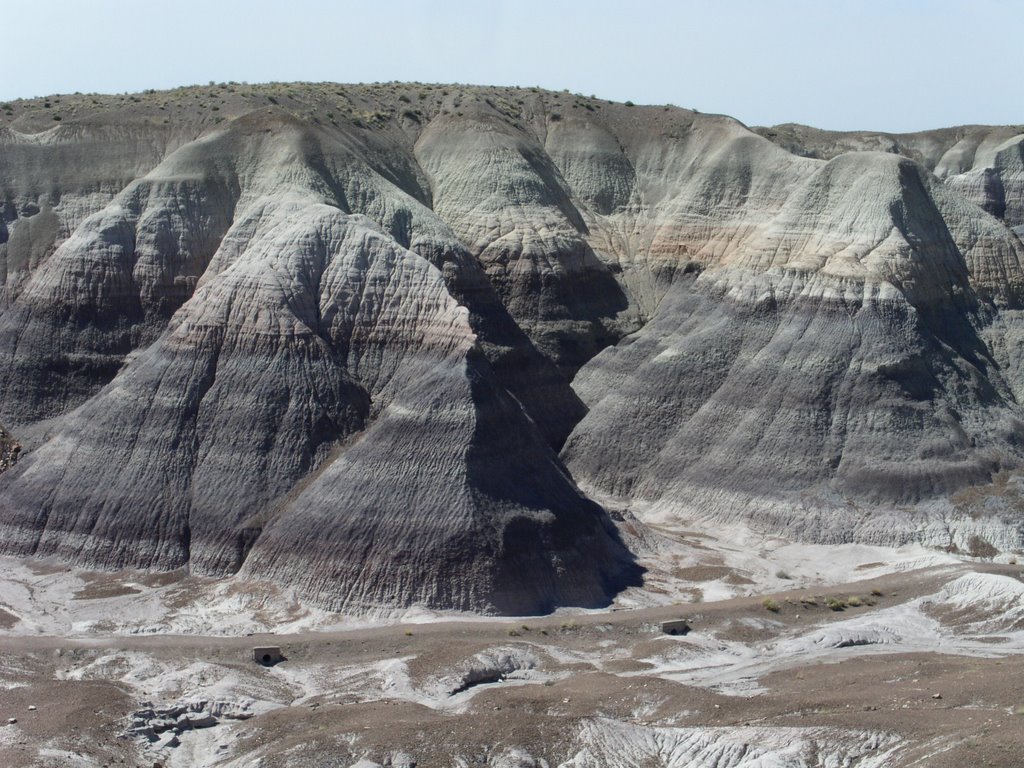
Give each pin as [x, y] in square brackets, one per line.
[894, 65]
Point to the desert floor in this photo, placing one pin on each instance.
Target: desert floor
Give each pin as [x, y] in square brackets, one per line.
[918, 661]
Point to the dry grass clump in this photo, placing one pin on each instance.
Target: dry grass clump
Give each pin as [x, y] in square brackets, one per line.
[835, 603]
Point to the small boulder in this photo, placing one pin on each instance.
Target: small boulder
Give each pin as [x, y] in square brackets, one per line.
[168, 740]
[200, 719]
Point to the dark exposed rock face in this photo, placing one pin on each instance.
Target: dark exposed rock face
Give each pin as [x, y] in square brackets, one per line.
[327, 338]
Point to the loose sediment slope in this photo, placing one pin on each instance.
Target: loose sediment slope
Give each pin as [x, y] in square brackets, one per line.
[826, 369]
[324, 334]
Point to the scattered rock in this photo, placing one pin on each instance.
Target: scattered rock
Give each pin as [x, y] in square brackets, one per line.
[401, 760]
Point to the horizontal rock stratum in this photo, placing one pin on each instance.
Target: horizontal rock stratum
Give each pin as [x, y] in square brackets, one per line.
[387, 344]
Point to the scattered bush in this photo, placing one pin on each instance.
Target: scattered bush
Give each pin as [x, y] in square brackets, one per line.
[835, 604]
[630, 104]
[854, 602]
[781, 574]
[770, 605]
[876, 592]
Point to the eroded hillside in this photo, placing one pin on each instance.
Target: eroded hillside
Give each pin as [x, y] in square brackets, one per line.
[366, 340]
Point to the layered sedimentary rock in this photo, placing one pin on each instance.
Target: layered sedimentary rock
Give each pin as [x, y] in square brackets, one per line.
[266, 353]
[827, 371]
[337, 337]
[980, 161]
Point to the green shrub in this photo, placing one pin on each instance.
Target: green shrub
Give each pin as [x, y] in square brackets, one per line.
[770, 605]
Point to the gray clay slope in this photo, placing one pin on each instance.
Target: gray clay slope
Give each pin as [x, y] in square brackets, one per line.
[337, 336]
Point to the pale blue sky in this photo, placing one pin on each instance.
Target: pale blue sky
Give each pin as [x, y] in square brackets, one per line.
[879, 64]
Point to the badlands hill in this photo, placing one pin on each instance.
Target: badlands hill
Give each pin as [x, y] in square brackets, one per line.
[405, 344]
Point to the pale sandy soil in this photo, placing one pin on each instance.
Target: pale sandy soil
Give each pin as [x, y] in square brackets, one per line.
[925, 671]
